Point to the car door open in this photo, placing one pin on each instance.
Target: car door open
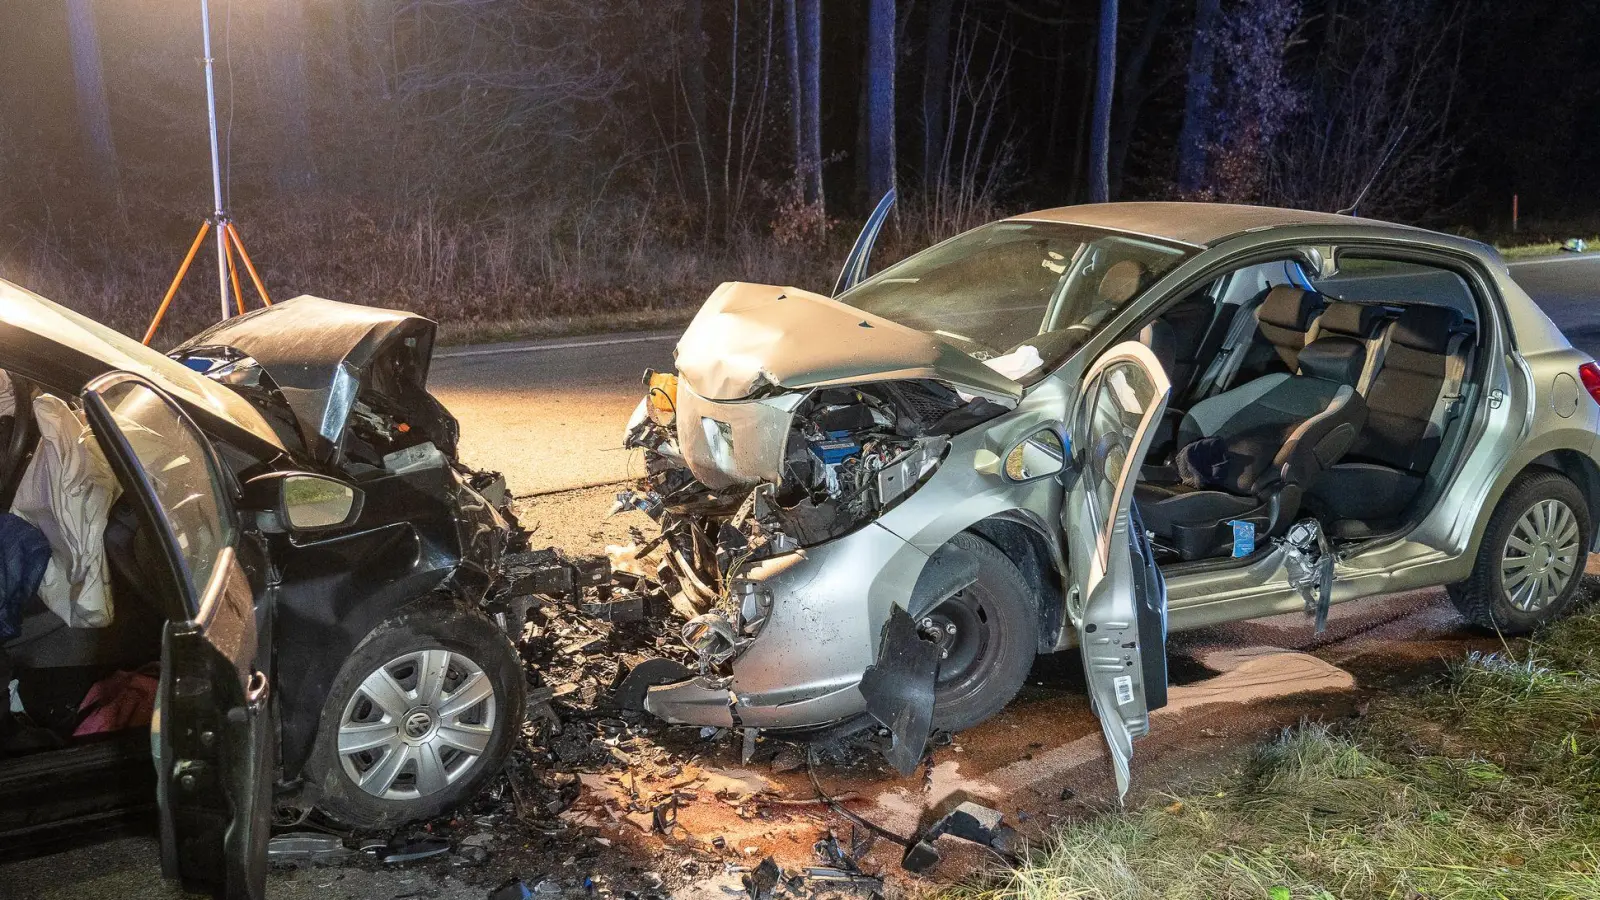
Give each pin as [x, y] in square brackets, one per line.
[212, 725]
[1118, 597]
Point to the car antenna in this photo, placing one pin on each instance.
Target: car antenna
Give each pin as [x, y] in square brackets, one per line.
[1351, 209]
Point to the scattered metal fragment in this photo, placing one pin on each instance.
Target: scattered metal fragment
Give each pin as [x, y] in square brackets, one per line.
[664, 815]
[306, 846]
[404, 851]
[762, 880]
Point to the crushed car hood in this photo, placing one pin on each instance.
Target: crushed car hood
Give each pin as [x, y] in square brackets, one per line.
[61, 348]
[752, 336]
[321, 353]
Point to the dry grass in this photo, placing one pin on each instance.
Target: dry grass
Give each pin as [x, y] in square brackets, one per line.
[1486, 785]
[536, 272]
[553, 269]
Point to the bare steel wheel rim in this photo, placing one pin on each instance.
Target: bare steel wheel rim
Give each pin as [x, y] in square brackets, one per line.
[1540, 556]
[417, 724]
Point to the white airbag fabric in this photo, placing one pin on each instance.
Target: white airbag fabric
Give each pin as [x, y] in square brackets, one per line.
[66, 493]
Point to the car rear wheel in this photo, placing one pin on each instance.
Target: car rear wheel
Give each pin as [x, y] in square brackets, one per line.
[422, 715]
[1530, 565]
[988, 634]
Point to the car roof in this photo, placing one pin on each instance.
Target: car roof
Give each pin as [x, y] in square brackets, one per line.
[1197, 224]
[64, 350]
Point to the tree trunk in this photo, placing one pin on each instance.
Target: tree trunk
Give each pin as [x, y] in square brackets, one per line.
[878, 141]
[791, 46]
[1196, 130]
[694, 92]
[1133, 90]
[935, 88]
[1105, 83]
[94, 110]
[293, 164]
[810, 16]
[377, 18]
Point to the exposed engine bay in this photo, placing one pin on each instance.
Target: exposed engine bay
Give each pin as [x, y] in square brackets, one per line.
[842, 456]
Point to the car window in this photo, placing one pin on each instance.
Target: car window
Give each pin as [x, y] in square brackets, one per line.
[1364, 279]
[1117, 403]
[177, 463]
[1013, 285]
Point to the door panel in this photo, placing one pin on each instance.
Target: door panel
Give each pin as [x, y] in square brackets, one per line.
[210, 735]
[857, 264]
[1119, 596]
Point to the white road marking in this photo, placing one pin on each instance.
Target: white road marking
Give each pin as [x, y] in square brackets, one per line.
[1589, 257]
[539, 348]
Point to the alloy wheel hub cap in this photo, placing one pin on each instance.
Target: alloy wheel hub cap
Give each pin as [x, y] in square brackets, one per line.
[1541, 556]
[417, 725]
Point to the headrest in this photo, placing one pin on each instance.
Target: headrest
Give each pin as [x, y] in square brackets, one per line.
[1352, 319]
[1427, 328]
[1121, 281]
[1334, 357]
[1290, 307]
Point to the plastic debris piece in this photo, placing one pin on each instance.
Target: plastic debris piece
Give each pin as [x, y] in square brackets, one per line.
[761, 881]
[306, 846]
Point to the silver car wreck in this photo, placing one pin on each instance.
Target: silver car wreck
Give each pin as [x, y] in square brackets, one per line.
[1085, 426]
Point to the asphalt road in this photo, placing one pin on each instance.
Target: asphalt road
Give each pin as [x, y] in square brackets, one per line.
[550, 414]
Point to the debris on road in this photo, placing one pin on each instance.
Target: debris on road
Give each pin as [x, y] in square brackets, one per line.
[970, 822]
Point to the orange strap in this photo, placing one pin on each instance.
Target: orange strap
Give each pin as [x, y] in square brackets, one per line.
[249, 266]
[172, 291]
[233, 272]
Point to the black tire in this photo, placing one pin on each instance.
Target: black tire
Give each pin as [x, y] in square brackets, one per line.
[995, 643]
[431, 626]
[1483, 599]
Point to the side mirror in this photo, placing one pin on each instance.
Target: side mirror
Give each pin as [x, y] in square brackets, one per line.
[1040, 455]
[302, 501]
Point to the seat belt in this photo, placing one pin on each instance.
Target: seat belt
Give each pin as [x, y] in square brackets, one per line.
[1455, 371]
[1229, 357]
[1377, 349]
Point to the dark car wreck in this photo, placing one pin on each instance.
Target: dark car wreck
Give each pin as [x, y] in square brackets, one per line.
[305, 576]
[1063, 428]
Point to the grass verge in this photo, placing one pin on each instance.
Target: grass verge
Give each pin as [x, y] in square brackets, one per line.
[1485, 784]
[525, 327]
[1533, 251]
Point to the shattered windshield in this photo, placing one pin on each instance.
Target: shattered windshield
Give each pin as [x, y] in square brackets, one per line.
[1018, 295]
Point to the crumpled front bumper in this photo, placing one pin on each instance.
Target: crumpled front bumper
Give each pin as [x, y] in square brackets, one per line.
[803, 668]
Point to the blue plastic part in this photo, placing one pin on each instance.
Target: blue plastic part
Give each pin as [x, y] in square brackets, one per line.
[834, 452]
[1244, 538]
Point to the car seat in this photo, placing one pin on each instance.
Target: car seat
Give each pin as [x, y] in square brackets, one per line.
[1278, 432]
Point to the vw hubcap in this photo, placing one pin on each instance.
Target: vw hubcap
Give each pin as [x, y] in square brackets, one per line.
[417, 724]
[1540, 556]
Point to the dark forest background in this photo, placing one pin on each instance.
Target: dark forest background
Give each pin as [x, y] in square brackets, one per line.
[526, 164]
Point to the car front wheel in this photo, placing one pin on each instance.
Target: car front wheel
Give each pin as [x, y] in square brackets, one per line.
[422, 715]
[988, 634]
[1530, 565]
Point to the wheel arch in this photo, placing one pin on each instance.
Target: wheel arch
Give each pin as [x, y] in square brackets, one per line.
[1027, 542]
[1581, 470]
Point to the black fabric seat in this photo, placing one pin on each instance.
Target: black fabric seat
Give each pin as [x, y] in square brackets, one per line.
[1283, 321]
[1391, 456]
[1276, 435]
[1364, 322]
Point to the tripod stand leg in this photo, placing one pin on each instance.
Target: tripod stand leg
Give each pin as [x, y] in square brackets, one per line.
[172, 291]
[233, 272]
[248, 265]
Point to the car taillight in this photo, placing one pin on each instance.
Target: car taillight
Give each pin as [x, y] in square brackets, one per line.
[1590, 373]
